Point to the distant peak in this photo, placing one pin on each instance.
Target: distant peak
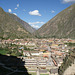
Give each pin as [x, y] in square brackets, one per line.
[1, 9]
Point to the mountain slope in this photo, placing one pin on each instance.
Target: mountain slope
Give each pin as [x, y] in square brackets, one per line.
[23, 23]
[9, 28]
[68, 65]
[61, 26]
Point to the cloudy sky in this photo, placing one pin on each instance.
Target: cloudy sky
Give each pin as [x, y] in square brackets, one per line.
[35, 12]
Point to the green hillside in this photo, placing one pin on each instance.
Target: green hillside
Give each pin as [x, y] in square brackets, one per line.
[61, 26]
[9, 28]
[68, 61]
[23, 23]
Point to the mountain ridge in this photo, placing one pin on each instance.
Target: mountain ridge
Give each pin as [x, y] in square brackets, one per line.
[60, 26]
[9, 28]
[23, 23]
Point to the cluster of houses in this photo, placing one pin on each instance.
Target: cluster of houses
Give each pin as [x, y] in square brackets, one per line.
[58, 51]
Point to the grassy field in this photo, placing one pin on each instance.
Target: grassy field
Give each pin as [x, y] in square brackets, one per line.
[32, 73]
[44, 74]
[35, 74]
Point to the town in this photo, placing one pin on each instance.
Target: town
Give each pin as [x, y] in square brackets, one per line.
[41, 56]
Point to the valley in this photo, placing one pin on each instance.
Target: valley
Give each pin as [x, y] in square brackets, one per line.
[41, 56]
[29, 48]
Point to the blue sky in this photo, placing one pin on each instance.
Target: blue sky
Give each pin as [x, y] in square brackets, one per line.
[35, 12]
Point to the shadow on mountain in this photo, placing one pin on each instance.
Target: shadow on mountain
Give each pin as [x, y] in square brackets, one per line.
[11, 65]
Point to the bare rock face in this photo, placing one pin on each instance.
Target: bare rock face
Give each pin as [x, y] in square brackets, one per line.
[61, 26]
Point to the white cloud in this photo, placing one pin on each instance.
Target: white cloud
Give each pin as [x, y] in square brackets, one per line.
[36, 23]
[9, 10]
[68, 1]
[52, 11]
[15, 14]
[35, 12]
[15, 8]
[17, 5]
[35, 26]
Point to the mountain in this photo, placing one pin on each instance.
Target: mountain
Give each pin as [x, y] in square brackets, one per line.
[9, 28]
[68, 65]
[61, 26]
[23, 23]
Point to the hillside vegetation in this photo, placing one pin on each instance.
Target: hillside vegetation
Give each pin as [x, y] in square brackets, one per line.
[61, 26]
[23, 23]
[9, 28]
[68, 61]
